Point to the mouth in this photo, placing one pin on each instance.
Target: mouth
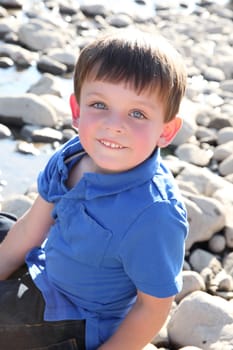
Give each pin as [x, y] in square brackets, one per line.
[110, 144]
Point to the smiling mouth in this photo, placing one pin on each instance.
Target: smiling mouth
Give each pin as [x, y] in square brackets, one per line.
[111, 145]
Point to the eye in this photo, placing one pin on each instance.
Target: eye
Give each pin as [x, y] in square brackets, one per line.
[137, 114]
[99, 105]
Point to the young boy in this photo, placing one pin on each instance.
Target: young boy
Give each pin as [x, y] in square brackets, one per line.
[104, 240]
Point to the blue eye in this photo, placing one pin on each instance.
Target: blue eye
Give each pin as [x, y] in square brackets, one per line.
[99, 105]
[137, 114]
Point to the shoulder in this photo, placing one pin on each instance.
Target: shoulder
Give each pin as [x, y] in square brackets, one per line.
[55, 172]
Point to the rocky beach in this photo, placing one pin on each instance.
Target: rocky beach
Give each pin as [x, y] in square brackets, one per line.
[39, 44]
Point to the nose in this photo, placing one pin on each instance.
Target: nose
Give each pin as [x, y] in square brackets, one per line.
[115, 122]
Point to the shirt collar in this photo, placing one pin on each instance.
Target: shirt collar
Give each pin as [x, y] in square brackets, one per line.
[98, 185]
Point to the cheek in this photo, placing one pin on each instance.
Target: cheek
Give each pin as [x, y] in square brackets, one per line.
[145, 136]
[85, 124]
[86, 130]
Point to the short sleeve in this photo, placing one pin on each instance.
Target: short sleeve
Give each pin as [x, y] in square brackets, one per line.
[153, 249]
[49, 179]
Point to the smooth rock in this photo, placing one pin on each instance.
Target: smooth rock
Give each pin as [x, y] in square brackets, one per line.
[5, 132]
[193, 154]
[192, 281]
[213, 74]
[223, 151]
[119, 20]
[225, 135]
[207, 321]
[27, 148]
[93, 10]
[205, 181]
[227, 85]
[64, 57]
[188, 112]
[61, 107]
[36, 134]
[219, 122]
[223, 281]
[217, 244]
[21, 57]
[27, 108]
[206, 217]
[3, 12]
[49, 65]
[229, 235]
[47, 84]
[8, 25]
[46, 135]
[203, 132]
[12, 4]
[38, 35]
[201, 259]
[6, 62]
[226, 166]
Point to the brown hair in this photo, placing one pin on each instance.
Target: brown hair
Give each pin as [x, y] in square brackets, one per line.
[146, 61]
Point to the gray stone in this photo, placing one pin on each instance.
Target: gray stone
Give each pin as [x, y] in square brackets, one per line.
[3, 12]
[223, 281]
[64, 57]
[214, 332]
[205, 181]
[212, 73]
[225, 135]
[217, 244]
[33, 133]
[220, 122]
[206, 217]
[227, 85]
[46, 135]
[226, 166]
[193, 154]
[47, 84]
[49, 65]
[60, 106]
[188, 112]
[223, 151]
[5, 132]
[38, 35]
[21, 57]
[27, 148]
[6, 62]
[119, 20]
[94, 9]
[12, 4]
[27, 108]
[228, 263]
[8, 26]
[192, 281]
[201, 259]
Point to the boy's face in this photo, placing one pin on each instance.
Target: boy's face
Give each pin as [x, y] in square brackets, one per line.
[118, 128]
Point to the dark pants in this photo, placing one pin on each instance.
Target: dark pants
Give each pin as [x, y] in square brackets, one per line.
[21, 319]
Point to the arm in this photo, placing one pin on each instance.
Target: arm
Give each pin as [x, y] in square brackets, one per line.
[141, 324]
[28, 232]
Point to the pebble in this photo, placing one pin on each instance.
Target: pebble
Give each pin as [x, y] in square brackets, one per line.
[50, 38]
[5, 132]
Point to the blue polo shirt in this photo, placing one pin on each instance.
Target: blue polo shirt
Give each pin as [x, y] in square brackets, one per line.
[113, 234]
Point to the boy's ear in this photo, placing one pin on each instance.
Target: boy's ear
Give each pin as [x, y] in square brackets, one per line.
[75, 110]
[170, 130]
